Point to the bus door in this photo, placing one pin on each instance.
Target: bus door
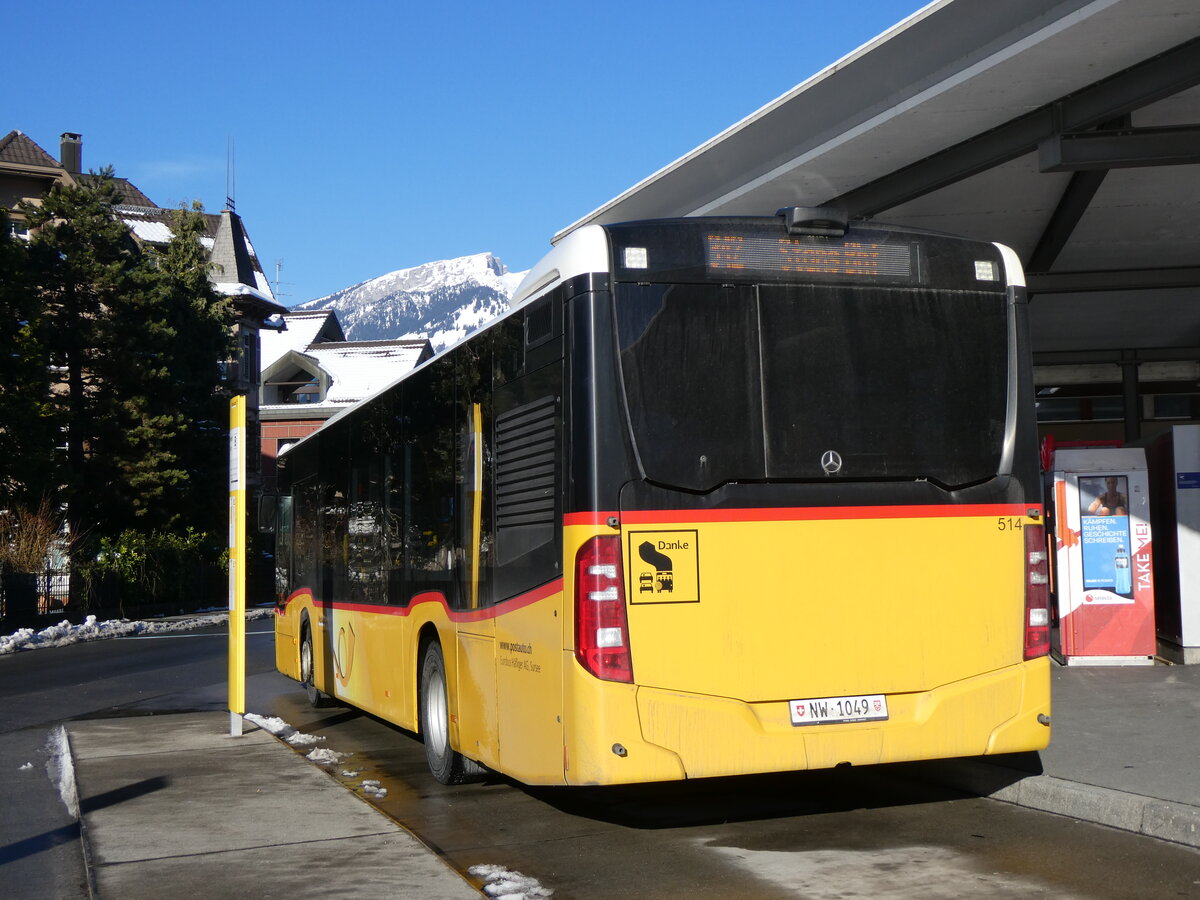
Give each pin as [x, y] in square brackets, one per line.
[478, 733]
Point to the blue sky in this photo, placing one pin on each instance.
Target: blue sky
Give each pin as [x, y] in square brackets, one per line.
[372, 136]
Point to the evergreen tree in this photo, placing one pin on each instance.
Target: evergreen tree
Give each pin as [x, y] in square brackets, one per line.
[201, 324]
[81, 262]
[134, 338]
[26, 433]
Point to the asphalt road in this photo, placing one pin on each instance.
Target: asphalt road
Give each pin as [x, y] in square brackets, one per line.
[40, 855]
[837, 834]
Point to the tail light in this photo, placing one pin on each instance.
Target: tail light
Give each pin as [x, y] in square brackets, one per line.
[1037, 593]
[601, 623]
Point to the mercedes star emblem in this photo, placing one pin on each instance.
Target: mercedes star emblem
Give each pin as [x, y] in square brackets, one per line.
[831, 462]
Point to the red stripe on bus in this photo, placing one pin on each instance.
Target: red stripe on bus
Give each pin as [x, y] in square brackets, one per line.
[803, 513]
[455, 615]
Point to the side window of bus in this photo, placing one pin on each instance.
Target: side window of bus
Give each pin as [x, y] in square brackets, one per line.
[508, 350]
[304, 537]
[366, 550]
[283, 549]
[429, 461]
[543, 332]
[395, 476]
[333, 514]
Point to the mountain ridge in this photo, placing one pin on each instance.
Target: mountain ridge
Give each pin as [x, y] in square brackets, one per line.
[444, 300]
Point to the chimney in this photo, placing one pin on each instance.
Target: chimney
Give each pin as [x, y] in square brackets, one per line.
[71, 152]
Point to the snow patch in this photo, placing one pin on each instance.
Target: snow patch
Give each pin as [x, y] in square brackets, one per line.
[61, 768]
[283, 730]
[64, 633]
[372, 788]
[323, 756]
[505, 884]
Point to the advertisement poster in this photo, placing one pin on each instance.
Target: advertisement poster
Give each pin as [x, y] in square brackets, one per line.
[1105, 538]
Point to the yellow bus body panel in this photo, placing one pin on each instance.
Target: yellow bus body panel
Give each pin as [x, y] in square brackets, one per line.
[787, 610]
[362, 656]
[529, 686]
[503, 670]
[476, 714]
[622, 734]
[926, 610]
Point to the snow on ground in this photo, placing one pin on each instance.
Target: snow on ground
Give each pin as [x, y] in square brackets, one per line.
[372, 788]
[283, 730]
[505, 884]
[323, 756]
[91, 629]
[61, 768]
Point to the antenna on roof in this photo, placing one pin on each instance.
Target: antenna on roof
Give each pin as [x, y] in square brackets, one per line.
[278, 283]
[230, 177]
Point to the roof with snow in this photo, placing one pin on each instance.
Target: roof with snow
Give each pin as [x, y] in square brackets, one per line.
[303, 328]
[310, 370]
[360, 368]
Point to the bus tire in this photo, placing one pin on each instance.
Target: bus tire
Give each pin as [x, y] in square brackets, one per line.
[447, 764]
[316, 699]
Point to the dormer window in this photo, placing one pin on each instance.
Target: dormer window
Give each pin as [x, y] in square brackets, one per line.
[306, 391]
[294, 380]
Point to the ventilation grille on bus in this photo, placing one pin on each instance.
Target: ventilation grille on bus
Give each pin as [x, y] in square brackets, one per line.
[525, 460]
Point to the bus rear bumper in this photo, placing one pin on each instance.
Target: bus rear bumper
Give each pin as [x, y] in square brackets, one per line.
[713, 736]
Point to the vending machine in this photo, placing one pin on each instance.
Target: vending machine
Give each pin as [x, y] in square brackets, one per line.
[1104, 564]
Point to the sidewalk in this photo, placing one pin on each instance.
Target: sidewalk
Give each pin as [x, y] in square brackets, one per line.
[174, 800]
[1124, 753]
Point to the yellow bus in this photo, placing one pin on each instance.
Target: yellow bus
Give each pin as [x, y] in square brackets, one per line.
[715, 496]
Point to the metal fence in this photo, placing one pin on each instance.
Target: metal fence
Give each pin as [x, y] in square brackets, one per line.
[27, 597]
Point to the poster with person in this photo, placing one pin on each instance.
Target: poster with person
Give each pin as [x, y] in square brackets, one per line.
[1104, 534]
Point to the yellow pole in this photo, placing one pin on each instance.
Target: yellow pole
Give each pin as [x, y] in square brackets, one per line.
[237, 564]
[476, 500]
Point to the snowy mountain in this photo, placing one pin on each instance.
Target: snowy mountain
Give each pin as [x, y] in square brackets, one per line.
[443, 301]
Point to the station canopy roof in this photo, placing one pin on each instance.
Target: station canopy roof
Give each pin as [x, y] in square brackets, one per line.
[1069, 131]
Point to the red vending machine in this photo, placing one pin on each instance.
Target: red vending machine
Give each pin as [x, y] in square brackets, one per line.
[1104, 559]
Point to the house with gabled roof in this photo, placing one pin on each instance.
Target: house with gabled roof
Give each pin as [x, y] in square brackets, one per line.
[28, 172]
[310, 372]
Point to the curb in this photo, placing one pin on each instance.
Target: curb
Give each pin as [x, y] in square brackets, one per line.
[73, 805]
[1149, 816]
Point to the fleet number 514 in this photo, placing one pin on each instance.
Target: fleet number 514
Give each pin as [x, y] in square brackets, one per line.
[1009, 523]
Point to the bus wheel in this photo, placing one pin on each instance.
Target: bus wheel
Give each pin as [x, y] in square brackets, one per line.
[447, 764]
[315, 697]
